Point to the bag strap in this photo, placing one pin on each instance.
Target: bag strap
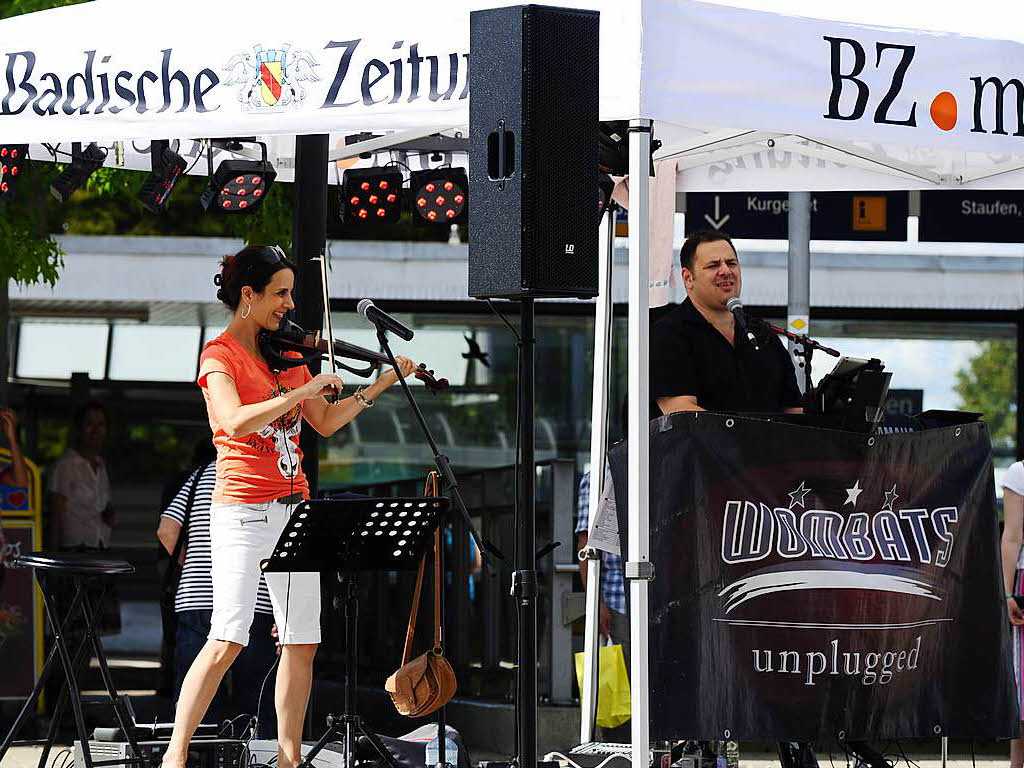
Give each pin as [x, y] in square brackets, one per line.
[189, 503]
[171, 574]
[438, 637]
[407, 650]
[429, 489]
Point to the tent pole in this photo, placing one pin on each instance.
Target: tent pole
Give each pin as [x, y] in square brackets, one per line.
[598, 448]
[638, 561]
[309, 240]
[799, 266]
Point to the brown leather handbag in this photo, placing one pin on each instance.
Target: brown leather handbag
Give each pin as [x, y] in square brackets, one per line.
[426, 683]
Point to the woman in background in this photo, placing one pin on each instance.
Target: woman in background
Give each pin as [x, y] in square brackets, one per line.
[81, 515]
[1013, 581]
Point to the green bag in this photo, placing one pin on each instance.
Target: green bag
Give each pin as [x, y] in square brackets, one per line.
[613, 701]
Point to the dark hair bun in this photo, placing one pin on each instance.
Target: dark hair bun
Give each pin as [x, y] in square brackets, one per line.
[254, 265]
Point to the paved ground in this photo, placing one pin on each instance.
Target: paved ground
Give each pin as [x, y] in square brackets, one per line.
[28, 757]
[25, 757]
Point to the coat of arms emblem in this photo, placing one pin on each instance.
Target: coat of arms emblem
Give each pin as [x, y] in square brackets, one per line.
[273, 78]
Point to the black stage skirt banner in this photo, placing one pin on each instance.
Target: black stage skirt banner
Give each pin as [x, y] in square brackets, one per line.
[812, 584]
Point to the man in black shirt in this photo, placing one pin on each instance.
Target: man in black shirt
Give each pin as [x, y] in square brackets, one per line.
[700, 363]
[698, 360]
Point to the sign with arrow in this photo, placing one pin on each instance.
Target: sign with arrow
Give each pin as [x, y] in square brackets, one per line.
[834, 215]
[718, 220]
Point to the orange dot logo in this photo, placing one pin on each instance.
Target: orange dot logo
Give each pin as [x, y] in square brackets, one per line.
[944, 111]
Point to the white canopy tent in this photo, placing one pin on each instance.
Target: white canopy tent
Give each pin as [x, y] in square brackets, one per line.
[742, 99]
[721, 82]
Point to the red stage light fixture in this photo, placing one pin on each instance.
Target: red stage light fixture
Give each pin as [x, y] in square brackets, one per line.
[440, 196]
[371, 195]
[13, 158]
[238, 186]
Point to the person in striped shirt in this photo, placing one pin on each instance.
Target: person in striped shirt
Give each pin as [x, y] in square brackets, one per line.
[193, 603]
[613, 618]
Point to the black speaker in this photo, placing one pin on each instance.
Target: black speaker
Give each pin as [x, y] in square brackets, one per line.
[533, 144]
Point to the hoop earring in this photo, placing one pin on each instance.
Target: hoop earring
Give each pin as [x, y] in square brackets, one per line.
[248, 311]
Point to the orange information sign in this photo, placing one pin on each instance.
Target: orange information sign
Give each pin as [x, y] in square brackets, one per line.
[869, 213]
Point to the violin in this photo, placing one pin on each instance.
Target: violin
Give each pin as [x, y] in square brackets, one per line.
[279, 349]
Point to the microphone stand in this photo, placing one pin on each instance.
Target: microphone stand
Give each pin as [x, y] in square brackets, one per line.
[445, 470]
[805, 349]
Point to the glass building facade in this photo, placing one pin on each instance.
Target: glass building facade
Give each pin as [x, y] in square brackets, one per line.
[474, 420]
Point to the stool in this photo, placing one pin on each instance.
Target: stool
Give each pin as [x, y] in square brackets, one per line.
[84, 569]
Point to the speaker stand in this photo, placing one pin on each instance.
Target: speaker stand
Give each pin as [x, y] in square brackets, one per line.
[524, 577]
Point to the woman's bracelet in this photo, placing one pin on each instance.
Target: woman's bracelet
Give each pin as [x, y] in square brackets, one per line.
[361, 399]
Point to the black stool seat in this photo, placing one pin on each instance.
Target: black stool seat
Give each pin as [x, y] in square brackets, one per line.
[91, 574]
[78, 563]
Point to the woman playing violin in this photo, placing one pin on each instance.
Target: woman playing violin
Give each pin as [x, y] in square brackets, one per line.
[255, 414]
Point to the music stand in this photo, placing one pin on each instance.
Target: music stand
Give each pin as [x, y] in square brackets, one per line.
[348, 536]
[854, 392]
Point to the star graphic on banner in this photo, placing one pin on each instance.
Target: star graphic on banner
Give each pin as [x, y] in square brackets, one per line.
[796, 498]
[852, 494]
[890, 498]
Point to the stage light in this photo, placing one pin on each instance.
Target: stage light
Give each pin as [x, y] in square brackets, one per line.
[238, 186]
[13, 158]
[439, 196]
[605, 186]
[613, 148]
[167, 167]
[371, 195]
[82, 166]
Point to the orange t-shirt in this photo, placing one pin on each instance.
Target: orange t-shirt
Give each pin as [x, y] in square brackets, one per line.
[266, 464]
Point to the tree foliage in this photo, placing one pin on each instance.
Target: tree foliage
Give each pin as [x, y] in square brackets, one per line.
[25, 257]
[10, 8]
[988, 385]
[28, 252]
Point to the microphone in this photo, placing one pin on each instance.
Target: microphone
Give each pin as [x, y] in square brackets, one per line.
[735, 306]
[383, 320]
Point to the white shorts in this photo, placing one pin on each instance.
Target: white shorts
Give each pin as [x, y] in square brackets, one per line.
[241, 535]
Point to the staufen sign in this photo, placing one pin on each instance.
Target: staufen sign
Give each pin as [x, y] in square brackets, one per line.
[972, 217]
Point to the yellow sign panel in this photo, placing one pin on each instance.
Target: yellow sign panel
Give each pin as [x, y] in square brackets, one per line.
[869, 213]
[19, 598]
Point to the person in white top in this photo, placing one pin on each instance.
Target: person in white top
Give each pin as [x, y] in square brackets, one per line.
[81, 515]
[1013, 580]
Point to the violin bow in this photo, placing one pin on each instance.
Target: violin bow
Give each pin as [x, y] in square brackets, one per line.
[327, 323]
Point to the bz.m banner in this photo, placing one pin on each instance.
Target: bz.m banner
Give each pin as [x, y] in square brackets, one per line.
[814, 584]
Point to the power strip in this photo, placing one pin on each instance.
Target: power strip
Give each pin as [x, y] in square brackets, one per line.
[202, 753]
